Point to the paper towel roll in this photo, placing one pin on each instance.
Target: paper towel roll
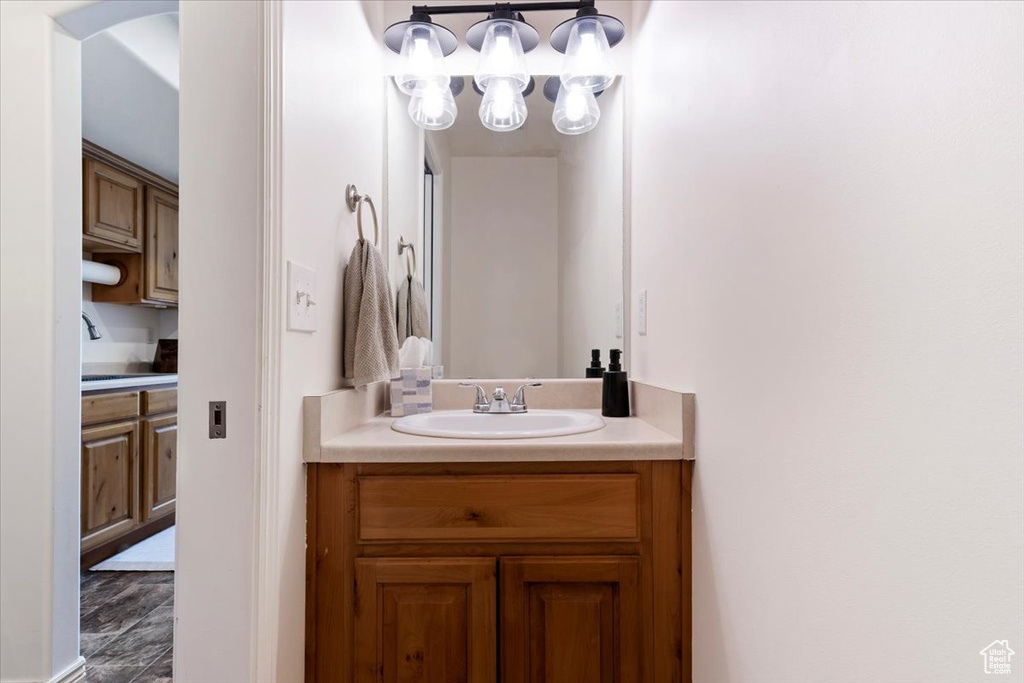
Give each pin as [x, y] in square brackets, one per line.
[100, 273]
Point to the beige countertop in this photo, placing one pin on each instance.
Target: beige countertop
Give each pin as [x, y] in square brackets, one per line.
[630, 438]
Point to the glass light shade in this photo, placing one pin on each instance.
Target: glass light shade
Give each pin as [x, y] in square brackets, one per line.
[422, 61]
[576, 110]
[501, 56]
[434, 109]
[587, 57]
[503, 107]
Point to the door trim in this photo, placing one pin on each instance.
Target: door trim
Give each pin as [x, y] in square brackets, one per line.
[266, 542]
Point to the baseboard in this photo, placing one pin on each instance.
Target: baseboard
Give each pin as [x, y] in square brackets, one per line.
[73, 674]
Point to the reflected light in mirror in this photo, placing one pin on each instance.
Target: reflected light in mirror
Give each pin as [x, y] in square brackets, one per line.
[435, 109]
[576, 111]
[503, 107]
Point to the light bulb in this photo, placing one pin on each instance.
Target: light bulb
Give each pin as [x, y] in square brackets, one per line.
[576, 110]
[587, 61]
[434, 109]
[501, 56]
[422, 61]
[503, 107]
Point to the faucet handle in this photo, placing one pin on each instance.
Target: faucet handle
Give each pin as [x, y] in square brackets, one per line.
[481, 395]
[519, 400]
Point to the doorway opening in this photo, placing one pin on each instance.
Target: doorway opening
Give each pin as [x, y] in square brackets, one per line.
[129, 452]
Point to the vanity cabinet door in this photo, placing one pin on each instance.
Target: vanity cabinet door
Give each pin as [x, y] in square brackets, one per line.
[425, 620]
[570, 620]
[159, 465]
[109, 482]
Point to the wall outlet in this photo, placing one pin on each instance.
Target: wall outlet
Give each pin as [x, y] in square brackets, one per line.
[150, 335]
[642, 314]
[301, 298]
[618, 320]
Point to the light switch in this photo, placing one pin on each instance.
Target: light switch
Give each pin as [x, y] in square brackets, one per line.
[642, 314]
[618, 320]
[301, 298]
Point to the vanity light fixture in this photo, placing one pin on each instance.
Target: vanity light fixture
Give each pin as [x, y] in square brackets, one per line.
[422, 45]
[503, 38]
[586, 42]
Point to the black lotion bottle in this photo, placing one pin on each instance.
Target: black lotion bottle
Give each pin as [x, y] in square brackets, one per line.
[596, 370]
[615, 397]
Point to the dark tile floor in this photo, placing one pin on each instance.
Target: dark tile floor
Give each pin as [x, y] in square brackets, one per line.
[127, 626]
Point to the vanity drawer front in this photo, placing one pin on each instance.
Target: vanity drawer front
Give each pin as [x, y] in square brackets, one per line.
[555, 507]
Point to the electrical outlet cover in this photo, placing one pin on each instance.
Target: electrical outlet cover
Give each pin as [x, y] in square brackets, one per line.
[301, 298]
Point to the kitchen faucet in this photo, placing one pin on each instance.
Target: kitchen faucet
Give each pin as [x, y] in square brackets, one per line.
[94, 334]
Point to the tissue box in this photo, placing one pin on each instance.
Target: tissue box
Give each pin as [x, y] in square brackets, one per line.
[410, 393]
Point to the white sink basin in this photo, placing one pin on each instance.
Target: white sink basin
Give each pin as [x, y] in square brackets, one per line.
[465, 424]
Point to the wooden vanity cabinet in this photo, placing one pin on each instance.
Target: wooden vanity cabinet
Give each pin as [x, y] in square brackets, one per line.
[129, 462]
[480, 572]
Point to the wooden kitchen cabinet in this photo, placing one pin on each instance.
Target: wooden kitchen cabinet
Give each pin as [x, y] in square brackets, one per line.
[159, 465]
[591, 558]
[110, 466]
[129, 463]
[425, 620]
[113, 207]
[148, 261]
[161, 281]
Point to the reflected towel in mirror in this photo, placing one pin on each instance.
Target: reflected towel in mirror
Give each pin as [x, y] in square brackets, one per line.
[413, 316]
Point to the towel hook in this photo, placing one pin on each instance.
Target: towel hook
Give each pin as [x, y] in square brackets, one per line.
[354, 201]
[402, 246]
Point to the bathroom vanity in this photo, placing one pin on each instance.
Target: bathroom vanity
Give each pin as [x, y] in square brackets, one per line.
[562, 558]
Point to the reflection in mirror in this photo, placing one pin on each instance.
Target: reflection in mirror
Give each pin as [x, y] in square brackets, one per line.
[518, 236]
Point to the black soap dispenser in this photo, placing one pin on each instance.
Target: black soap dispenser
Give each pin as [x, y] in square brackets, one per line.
[596, 370]
[615, 397]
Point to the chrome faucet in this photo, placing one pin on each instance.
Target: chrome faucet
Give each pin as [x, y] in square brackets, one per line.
[94, 334]
[499, 403]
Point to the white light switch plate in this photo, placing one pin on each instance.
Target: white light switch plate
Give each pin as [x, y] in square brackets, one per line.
[301, 298]
[618, 320]
[642, 314]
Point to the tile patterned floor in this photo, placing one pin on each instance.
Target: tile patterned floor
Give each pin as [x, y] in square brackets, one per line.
[127, 626]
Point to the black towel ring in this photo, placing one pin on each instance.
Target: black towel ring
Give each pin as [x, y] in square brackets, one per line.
[355, 201]
[402, 246]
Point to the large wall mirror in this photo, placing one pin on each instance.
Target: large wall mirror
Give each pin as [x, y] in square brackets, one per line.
[518, 236]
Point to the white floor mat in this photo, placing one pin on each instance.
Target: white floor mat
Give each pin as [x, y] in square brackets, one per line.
[154, 554]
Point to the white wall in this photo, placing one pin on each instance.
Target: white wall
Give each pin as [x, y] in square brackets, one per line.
[127, 106]
[217, 480]
[590, 238]
[504, 267]
[130, 333]
[827, 215]
[40, 209]
[333, 135]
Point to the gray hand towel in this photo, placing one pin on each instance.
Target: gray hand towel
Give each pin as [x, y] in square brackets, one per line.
[413, 317]
[371, 345]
